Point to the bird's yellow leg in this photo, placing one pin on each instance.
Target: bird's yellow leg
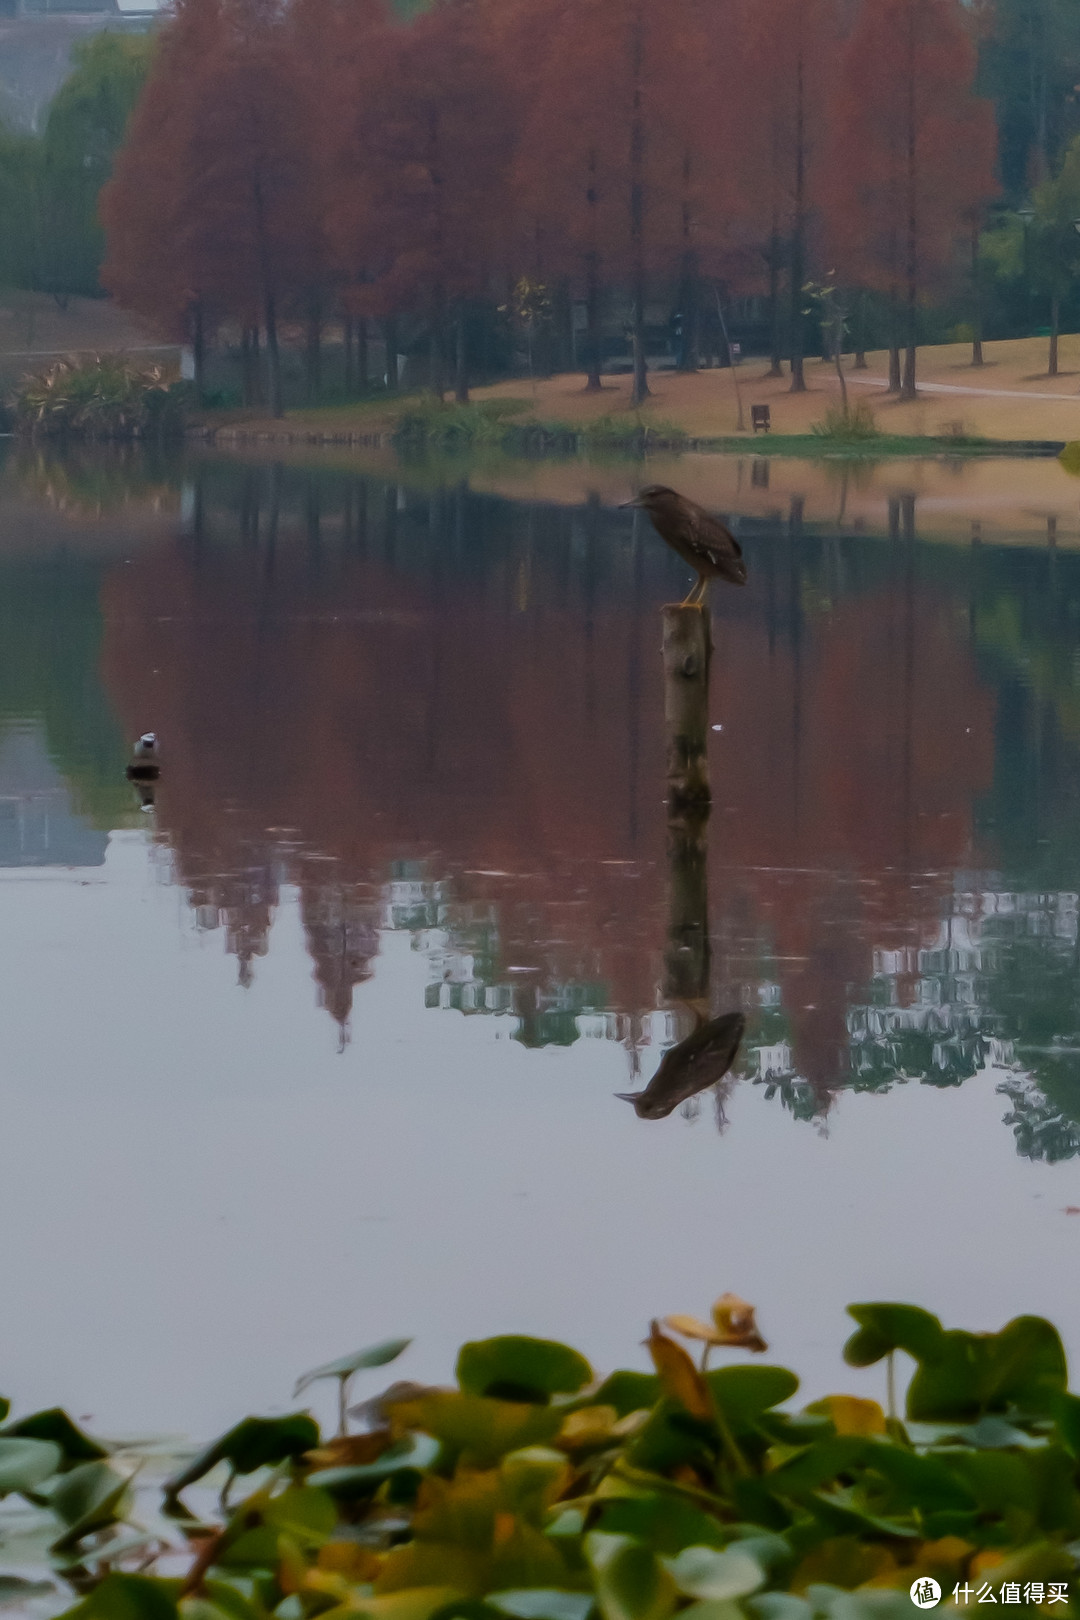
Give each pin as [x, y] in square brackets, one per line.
[686, 599]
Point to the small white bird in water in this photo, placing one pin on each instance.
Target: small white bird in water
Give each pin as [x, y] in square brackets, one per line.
[146, 765]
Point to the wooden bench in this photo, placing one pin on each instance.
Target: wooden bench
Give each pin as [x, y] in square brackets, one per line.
[760, 419]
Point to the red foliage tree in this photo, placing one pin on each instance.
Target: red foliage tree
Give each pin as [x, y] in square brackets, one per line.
[912, 155]
[783, 157]
[429, 149]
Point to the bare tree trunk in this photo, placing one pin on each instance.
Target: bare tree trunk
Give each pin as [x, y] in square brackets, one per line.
[894, 341]
[390, 337]
[592, 325]
[313, 350]
[640, 391]
[461, 370]
[362, 378]
[908, 389]
[798, 380]
[437, 348]
[894, 368]
[860, 331]
[347, 348]
[1055, 324]
[273, 357]
[838, 357]
[688, 282]
[776, 368]
[976, 290]
[252, 371]
[269, 302]
[198, 349]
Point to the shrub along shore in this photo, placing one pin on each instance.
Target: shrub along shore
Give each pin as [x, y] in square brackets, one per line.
[999, 408]
[533, 1488]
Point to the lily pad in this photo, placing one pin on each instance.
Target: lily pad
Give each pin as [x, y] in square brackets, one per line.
[55, 1425]
[375, 1355]
[705, 1572]
[539, 1603]
[26, 1464]
[128, 1597]
[515, 1368]
[254, 1443]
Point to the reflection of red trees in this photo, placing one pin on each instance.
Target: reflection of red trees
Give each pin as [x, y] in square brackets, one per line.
[358, 715]
[867, 750]
[325, 714]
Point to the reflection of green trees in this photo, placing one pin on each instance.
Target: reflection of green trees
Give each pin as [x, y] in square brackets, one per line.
[1025, 613]
[1045, 1113]
[50, 636]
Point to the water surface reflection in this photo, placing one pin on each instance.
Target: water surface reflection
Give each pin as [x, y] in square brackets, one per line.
[399, 717]
[441, 712]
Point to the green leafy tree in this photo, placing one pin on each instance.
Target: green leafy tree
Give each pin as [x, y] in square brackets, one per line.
[86, 126]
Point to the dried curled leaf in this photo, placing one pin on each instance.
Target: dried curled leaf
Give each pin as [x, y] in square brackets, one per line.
[679, 1378]
[350, 1450]
[733, 1325]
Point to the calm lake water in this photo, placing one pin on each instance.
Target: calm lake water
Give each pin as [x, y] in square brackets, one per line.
[322, 1048]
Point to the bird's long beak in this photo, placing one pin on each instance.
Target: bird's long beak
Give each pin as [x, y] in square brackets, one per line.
[636, 501]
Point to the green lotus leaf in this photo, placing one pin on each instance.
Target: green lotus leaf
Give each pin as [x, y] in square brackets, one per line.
[416, 1451]
[26, 1464]
[631, 1582]
[744, 1393]
[515, 1368]
[55, 1425]
[251, 1444]
[884, 1328]
[128, 1597]
[705, 1572]
[375, 1355]
[536, 1603]
[86, 1499]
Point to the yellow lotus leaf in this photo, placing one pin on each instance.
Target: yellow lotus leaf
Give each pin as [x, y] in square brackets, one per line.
[843, 1561]
[347, 1558]
[852, 1415]
[950, 1552]
[679, 1378]
[418, 1604]
[591, 1426]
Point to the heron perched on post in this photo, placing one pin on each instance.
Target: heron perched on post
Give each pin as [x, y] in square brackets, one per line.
[700, 539]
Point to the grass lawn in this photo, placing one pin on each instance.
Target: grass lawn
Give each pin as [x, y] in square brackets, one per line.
[1009, 398]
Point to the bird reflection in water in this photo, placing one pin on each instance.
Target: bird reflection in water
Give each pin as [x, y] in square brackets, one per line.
[703, 1058]
[699, 538]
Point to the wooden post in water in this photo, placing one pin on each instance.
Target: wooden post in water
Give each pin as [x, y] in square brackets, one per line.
[687, 649]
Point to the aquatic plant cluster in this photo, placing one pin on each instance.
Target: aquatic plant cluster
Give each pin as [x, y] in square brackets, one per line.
[104, 398]
[532, 1489]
